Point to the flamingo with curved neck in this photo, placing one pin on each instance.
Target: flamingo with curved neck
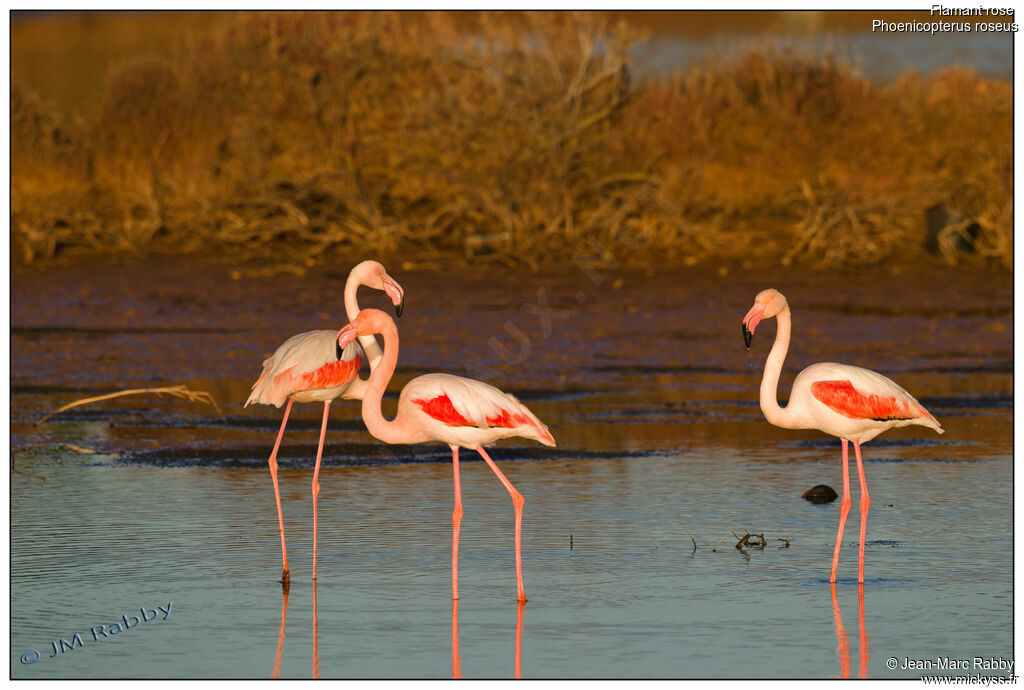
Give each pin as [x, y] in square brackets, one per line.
[312, 367]
[464, 413]
[852, 403]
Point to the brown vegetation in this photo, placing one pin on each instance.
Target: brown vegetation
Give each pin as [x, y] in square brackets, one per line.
[288, 136]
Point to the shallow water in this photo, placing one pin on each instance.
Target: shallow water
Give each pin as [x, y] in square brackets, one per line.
[653, 400]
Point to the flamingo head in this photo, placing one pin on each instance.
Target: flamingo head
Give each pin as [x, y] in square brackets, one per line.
[373, 274]
[767, 304]
[367, 322]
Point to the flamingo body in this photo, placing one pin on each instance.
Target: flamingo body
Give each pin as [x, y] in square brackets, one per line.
[854, 403]
[464, 413]
[849, 402]
[308, 367]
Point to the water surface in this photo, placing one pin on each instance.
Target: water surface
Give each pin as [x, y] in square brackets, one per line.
[644, 382]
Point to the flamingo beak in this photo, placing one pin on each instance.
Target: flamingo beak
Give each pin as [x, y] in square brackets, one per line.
[750, 322]
[396, 293]
[347, 334]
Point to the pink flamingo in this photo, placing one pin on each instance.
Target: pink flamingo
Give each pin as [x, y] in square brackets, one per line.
[849, 402]
[313, 367]
[438, 407]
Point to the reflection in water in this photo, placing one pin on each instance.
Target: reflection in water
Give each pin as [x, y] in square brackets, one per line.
[280, 637]
[843, 646]
[865, 649]
[843, 642]
[276, 673]
[520, 608]
[457, 661]
[316, 637]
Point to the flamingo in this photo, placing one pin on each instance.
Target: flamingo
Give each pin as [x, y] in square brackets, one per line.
[312, 367]
[461, 412]
[852, 403]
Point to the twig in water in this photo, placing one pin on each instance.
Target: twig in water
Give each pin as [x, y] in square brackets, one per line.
[688, 533]
[79, 449]
[177, 391]
[785, 540]
[570, 542]
[722, 539]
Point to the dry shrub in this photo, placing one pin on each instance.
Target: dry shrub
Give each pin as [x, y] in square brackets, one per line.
[512, 137]
[963, 131]
[853, 168]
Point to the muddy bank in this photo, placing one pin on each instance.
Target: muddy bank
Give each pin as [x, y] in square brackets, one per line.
[614, 361]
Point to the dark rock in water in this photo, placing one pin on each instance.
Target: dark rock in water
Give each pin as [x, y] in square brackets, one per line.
[822, 493]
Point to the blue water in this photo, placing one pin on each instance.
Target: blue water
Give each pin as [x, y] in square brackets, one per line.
[653, 401]
[631, 598]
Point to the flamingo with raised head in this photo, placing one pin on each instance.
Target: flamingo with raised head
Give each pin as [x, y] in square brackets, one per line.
[852, 403]
[313, 367]
[461, 412]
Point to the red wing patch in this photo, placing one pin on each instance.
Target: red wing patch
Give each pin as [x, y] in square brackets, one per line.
[509, 421]
[441, 409]
[843, 398]
[332, 374]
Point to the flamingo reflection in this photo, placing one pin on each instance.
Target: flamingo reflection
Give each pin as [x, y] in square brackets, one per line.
[519, 639]
[276, 673]
[865, 648]
[280, 638]
[316, 637]
[457, 660]
[843, 641]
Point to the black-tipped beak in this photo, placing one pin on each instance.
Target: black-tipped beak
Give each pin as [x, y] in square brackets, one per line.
[747, 336]
[400, 306]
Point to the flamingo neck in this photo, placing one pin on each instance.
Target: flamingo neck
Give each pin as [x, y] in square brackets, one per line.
[369, 343]
[389, 431]
[779, 416]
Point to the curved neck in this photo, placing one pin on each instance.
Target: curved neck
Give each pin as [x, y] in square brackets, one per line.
[779, 416]
[369, 343]
[389, 431]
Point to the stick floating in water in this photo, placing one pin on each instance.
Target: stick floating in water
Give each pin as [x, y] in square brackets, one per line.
[177, 391]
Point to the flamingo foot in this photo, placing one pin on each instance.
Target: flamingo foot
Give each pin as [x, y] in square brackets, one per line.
[286, 581]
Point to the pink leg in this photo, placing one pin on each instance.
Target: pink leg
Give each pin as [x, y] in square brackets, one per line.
[285, 577]
[844, 508]
[316, 475]
[456, 524]
[865, 503]
[517, 503]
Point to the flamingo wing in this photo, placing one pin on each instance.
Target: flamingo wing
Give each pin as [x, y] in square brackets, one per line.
[307, 361]
[867, 395]
[461, 402]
